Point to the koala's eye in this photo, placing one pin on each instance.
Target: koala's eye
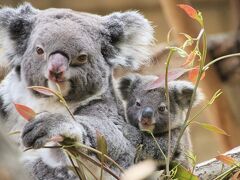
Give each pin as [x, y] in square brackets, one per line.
[82, 59]
[161, 108]
[138, 103]
[39, 50]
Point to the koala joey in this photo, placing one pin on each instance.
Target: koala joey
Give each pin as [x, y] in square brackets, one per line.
[79, 52]
[147, 110]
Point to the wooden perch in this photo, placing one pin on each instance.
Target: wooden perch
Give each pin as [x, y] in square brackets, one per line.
[212, 168]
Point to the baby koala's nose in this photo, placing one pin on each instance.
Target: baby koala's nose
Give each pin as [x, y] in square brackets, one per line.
[147, 113]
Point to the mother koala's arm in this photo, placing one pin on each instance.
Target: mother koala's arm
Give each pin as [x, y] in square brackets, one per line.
[46, 125]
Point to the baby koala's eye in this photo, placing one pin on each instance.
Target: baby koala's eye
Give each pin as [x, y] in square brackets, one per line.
[138, 103]
[161, 108]
[39, 50]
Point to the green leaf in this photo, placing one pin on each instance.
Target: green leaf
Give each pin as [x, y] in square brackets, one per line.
[138, 153]
[183, 173]
[14, 133]
[188, 42]
[199, 18]
[101, 145]
[192, 158]
[180, 51]
[187, 36]
[212, 128]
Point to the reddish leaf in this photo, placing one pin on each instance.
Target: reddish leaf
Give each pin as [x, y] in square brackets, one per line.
[26, 112]
[226, 159]
[43, 90]
[172, 75]
[190, 11]
[193, 74]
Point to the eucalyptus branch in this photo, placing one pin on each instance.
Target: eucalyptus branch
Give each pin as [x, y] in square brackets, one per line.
[226, 173]
[165, 158]
[210, 102]
[201, 70]
[219, 59]
[168, 106]
[98, 164]
[49, 147]
[70, 154]
[63, 101]
[75, 168]
[100, 153]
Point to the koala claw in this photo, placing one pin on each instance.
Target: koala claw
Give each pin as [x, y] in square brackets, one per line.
[44, 126]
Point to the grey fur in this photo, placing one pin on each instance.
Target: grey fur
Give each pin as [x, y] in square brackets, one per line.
[137, 100]
[108, 41]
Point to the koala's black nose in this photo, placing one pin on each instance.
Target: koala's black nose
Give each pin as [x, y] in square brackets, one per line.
[147, 112]
[57, 66]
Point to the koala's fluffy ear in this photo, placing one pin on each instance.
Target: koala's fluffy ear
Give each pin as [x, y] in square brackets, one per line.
[181, 92]
[129, 39]
[126, 85]
[15, 28]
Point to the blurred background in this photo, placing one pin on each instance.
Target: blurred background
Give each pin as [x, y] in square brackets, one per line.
[222, 20]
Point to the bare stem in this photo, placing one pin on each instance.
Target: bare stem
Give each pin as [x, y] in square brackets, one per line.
[75, 168]
[98, 164]
[168, 106]
[165, 158]
[219, 59]
[100, 153]
[70, 154]
[201, 70]
[102, 164]
[224, 174]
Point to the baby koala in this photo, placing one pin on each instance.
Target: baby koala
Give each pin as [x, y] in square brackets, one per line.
[147, 110]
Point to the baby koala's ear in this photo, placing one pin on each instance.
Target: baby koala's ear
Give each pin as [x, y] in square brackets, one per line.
[127, 84]
[182, 91]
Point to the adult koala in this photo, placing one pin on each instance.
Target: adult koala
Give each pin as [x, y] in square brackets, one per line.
[78, 51]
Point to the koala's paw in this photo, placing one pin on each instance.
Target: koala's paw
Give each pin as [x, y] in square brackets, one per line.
[44, 126]
[41, 170]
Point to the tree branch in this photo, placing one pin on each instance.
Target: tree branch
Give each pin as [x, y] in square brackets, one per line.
[212, 168]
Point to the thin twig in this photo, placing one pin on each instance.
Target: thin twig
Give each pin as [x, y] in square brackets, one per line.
[75, 168]
[219, 59]
[99, 165]
[165, 158]
[99, 152]
[201, 70]
[168, 106]
[84, 166]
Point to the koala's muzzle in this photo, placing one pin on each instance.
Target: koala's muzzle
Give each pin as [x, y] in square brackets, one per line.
[147, 116]
[57, 67]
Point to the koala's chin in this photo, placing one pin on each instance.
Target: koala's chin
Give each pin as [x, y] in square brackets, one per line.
[64, 86]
